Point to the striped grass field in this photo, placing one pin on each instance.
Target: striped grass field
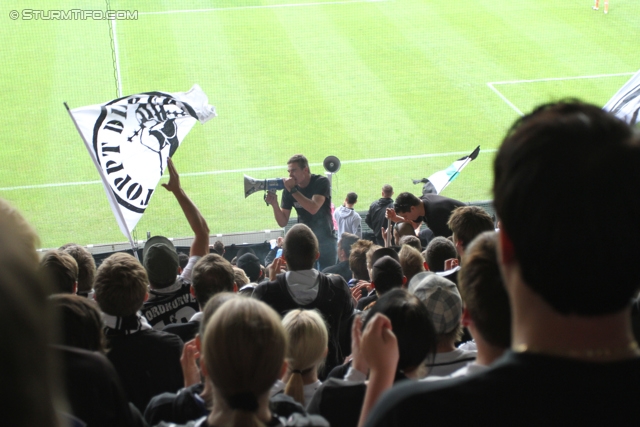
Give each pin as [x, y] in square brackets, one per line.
[396, 89]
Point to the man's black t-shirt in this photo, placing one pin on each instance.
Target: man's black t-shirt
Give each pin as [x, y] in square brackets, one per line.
[437, 212]
[322, 222]
[520, 389]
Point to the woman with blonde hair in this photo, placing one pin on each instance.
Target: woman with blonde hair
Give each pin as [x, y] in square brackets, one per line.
[308, 347]
[243, 354]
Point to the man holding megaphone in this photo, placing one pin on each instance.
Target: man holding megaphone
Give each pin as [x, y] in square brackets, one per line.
[310, 195]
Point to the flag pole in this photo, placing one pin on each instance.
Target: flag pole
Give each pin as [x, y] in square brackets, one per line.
[111, 197]
[466, 162]
[469, 158]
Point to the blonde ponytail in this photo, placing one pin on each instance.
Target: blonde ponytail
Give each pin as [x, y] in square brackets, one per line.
[308, 341]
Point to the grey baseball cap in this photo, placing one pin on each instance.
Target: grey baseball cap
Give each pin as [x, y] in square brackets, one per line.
[441, 297]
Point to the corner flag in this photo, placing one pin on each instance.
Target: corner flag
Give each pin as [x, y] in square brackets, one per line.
[439, 180]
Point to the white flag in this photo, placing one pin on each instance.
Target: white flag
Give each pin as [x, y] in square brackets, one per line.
[129, 140]
[625, 104]
[439, 180]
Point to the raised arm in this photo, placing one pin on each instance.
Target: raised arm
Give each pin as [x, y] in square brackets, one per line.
[379, 347]
[200, 245]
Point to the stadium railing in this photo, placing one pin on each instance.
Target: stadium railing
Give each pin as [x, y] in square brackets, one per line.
[258, 241]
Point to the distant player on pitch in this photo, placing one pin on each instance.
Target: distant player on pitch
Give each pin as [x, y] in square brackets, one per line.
[606, 6]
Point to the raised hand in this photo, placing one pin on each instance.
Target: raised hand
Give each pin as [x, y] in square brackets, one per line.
[174, 179]
[190, 369]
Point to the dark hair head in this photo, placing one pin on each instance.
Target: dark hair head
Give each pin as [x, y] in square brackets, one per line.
[218, 247]
[121, 285]
[300, 248]
[81, 322]
[411, 324]
[561, 171]
[438, 251]
[86, 266]
[387, 190]
[379, 252]
[352, 198]
[183, 260]
[386, 274]
[212, 274]
[346, 241]
[404, 202]
[405, 229]
[466, 222]
[300, 160]
[61, 269]
[358, 259]
[251, 265]
[483, 291]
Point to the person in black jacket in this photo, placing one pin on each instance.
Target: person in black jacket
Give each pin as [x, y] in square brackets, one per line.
[375, 218]
[306, 288]
[147, 361]
[433, 209]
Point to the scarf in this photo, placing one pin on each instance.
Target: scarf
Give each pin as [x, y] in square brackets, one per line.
[127, 325]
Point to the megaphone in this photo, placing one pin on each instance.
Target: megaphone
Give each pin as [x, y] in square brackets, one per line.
[331, 164]
[252, 185]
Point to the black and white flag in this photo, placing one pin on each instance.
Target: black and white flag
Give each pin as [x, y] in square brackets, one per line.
[625, 104]
[129, 140]
[439, 180]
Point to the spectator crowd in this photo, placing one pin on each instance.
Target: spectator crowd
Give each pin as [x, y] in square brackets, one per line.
[446, 315]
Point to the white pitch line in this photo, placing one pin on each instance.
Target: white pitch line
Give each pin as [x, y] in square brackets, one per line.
[115, 47]
[265, 168]
[551, 79]
[272, 6]
[504, 98]
[60, 184]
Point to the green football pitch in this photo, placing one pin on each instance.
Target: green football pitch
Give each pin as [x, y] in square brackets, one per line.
[396, 89]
